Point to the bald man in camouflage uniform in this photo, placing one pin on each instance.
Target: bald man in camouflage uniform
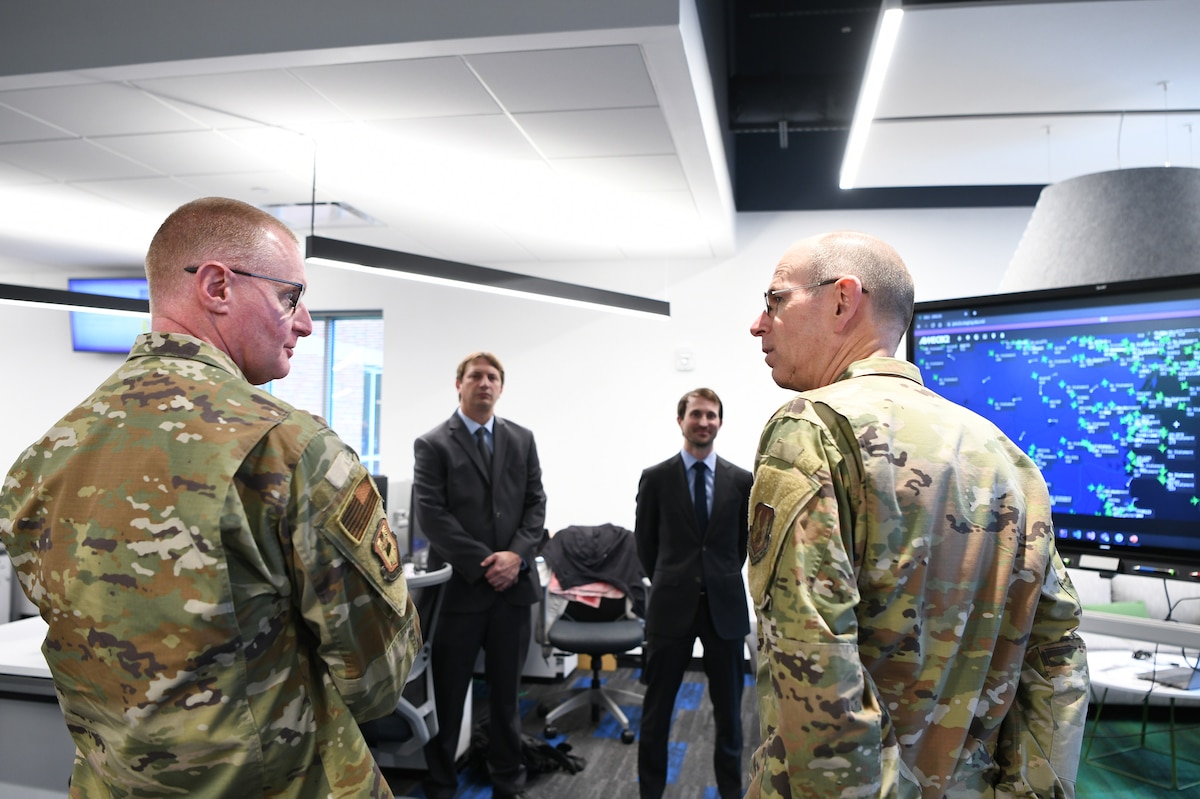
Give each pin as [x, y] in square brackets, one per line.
[223, 594]
[917, 628]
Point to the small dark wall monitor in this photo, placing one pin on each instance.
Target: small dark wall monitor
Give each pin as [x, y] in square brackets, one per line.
[100, 332]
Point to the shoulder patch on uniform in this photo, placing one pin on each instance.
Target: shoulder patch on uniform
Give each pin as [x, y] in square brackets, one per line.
[359, 509]
[339, 472]
[387, 550]
[760, 531]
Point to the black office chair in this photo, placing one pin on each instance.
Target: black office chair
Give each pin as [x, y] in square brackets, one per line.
[609, 629]
[397, 740]
[593, 631]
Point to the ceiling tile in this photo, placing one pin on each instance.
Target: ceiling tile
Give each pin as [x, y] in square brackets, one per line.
[550, 247]
[273, 97]
[625, 173]
[421, 87]
[1044, 57]
[584, 134]
[15, 126]
[193, 153]
[440, 237]
[563, 80]
[1028, 151]
[257, 188]
[99, 109]
[494, 136]
[71, 159]
[156, 195]
[15, 176]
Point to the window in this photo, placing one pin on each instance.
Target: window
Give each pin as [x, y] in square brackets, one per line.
[337, 373]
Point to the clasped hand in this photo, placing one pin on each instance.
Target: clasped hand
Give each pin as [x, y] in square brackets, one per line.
[503, 568]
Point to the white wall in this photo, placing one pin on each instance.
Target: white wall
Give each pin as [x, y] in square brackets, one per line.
[598, 389]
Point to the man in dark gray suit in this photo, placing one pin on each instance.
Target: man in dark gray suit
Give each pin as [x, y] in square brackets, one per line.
[477, 488]
[691, 532]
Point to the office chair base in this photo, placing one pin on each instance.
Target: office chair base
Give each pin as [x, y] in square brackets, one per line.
[598, 699]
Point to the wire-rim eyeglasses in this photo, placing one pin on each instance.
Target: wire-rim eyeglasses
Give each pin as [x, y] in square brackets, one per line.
[293, 297]
[771, 294]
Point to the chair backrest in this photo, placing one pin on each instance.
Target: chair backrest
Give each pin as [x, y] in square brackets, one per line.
[606, 553]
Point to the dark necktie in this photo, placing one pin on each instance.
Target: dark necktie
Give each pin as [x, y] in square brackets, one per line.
[484, 452]
[700, 495]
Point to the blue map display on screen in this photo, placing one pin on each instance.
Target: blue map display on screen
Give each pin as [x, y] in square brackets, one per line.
[1105, 400]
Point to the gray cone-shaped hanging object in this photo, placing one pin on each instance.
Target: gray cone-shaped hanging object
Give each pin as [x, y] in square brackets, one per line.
[1110, 226]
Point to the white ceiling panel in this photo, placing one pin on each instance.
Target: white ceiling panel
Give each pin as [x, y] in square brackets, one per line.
[425, 233]
[59, 225]
[625, 173]
[16, 126]
[99, 109]
[256, 188]
[566, 80]
[579, 143]
[1033, 93]
[15, 176]
[154, 195]
[193, 153]
[71, 159]
[588, 134]
[520, 147]
[422, 87]
[270, 97]
[1044, 57]
[494, 136]
[564, 243]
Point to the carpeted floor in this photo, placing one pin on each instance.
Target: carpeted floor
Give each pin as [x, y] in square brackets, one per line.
[610, 770]
[1116, 767]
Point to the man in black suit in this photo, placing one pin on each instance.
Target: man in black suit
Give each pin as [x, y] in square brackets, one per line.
[691, 532]
[477, 487]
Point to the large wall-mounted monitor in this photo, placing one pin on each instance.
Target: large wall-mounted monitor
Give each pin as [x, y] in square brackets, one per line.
[1100, 385]
[99, 332]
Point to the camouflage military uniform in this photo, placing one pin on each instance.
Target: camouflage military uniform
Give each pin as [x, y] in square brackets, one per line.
[223, 594]
[916, 626]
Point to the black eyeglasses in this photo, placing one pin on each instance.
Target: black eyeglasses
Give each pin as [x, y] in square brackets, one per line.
[773, 294]
[293, 296]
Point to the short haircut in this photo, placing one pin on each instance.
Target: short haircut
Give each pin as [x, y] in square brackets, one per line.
[474, 356]
[211, 229]
[703, 393]
[876, 264]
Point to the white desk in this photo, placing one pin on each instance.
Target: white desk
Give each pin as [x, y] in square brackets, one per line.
[1114, 675]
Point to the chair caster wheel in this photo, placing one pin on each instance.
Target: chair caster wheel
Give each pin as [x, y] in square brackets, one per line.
[551, 731]
[627, 736]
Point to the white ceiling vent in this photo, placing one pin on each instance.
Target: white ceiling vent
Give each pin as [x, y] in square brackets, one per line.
[305, 216]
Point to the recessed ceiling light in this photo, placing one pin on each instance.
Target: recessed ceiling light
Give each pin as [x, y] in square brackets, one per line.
[303, 216]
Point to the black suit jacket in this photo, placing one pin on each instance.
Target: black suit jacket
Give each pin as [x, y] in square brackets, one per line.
[681, 561]
[468, 514]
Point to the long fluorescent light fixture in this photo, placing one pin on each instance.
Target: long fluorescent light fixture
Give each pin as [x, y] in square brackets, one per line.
[35, 297]
[379, 261]
[884, 43]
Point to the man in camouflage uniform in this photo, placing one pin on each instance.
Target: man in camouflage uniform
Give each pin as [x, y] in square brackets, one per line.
[223, 594]
[917, 629]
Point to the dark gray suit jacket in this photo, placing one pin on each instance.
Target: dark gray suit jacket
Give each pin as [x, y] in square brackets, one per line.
[681, 561]
[468, 514]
